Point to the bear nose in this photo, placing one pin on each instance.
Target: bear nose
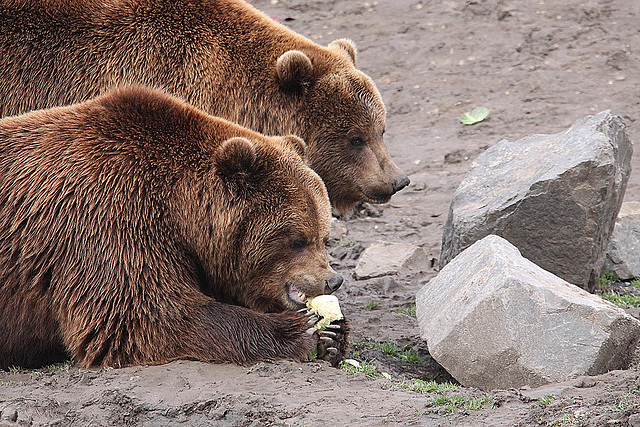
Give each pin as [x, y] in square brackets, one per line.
[332, 284]
[400, 183]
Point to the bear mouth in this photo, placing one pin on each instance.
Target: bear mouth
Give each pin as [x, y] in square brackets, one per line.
[296, 296]
[376, 198]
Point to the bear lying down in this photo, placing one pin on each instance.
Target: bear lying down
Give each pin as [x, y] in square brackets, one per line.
[136, 229]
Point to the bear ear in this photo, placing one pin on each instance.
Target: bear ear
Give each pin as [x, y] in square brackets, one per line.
[235, 158]
[298, 145]
[294, 70]
[347, 46]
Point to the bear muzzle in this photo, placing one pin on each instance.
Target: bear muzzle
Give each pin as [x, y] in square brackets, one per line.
[333, 283]
[400, 183]
[382, 192]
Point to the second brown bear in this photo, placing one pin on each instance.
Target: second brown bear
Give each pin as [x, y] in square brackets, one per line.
[222, 56]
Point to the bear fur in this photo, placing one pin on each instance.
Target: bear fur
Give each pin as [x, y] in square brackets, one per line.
[224, 57]
[135, 229]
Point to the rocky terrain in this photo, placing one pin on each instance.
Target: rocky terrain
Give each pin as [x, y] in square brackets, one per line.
[538, 66]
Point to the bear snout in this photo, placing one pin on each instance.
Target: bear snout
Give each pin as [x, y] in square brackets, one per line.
[333, 283]
[400, 183]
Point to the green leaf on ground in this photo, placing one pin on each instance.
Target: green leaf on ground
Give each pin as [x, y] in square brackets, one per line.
[476, 115]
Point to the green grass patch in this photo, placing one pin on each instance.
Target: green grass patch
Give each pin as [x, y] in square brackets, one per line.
[409, 311]
[313, 356]
[389, 348]
[372, 305]
[14, 369]
[635, 283]
[423, 387]
[624, 301]
[605, 278]
[457, 402]
[363, 367]
[410, 357]
[444, 396]
[477, 403]
[346, 243]
[629, 402]
[570, 420]
[57, 367]
[545, 400]
[359, 345]
[451, 403]
[442, 392]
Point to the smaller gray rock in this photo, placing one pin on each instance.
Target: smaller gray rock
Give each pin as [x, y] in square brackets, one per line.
[495, 320]
[384, 285]
[339, 253]
[386, 258]
[623, 252]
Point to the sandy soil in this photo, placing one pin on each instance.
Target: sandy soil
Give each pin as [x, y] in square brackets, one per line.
[539, 66]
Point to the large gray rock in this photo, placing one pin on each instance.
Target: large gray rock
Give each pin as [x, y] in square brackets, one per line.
[387, 258]
[495, 320]
[623, 252]
[555, 197]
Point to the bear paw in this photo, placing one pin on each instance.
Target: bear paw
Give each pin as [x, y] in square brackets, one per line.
[332, 342]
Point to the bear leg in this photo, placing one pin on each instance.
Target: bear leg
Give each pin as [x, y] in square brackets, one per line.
[209, 332]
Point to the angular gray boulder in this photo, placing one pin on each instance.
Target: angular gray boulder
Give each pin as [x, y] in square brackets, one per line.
[387, 258]
[555, 197]
[495, 320]
[623, 253]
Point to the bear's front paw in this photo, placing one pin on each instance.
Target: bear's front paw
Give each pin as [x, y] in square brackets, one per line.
[333, 342]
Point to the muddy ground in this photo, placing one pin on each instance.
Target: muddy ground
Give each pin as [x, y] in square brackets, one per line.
[538, 66]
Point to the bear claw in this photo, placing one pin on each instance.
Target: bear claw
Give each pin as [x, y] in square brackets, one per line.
[332, 343]
[312, 319]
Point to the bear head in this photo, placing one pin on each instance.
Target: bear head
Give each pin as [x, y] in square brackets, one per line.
[259, 225]
[343, 120]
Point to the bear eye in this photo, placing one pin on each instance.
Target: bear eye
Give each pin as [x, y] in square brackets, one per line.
[299, 243]
[356, 141]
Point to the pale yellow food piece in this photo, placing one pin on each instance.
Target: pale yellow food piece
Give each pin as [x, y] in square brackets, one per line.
[327, 307]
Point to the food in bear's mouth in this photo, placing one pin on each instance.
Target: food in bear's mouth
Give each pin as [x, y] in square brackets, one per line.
[327, 307]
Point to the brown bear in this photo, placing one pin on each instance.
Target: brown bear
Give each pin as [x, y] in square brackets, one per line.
[224, 57]
[135, 229]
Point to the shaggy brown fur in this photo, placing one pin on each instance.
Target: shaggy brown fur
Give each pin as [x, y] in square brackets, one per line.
[224, 57]
[135, 229]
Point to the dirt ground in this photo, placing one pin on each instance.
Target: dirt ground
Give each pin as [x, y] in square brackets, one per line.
[538, 66]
